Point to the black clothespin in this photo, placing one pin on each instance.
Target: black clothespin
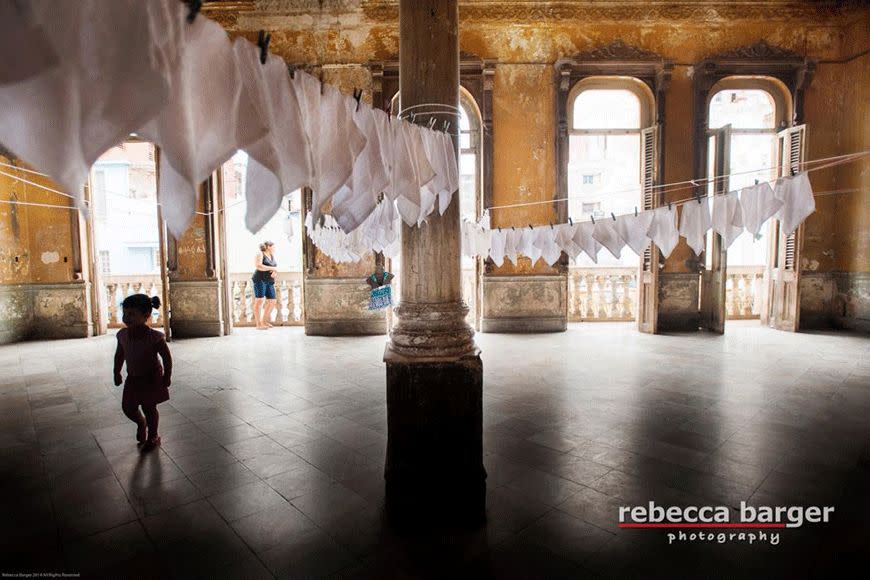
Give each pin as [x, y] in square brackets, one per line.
[592, 217]
[756, 182]
[698, 193]
[551, 225]
[357, 95]
[194, 6]
[263, 40]
[570, 221]
[613, 216]
[635, 211]
[793, 172]
[670, 207]
[531, 228]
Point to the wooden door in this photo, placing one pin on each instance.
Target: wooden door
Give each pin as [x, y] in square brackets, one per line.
[648, 274]
[714, 276]
[784, 260]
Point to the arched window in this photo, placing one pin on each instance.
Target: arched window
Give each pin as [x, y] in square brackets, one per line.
[606, 118]
[754, 109]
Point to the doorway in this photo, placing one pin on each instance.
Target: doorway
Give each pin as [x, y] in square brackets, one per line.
[284, 230]
[127, 231]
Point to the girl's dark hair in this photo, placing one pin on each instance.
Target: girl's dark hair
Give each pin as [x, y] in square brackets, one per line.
[141, 302]
[265, 245]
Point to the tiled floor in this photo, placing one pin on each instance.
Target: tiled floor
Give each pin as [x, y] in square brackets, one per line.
[274, 442]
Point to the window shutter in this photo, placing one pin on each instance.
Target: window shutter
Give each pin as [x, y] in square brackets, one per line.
[792, 148]
[649, 142]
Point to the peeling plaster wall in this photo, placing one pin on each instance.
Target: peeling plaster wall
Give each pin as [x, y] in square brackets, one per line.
[39, 295]
[527, 38]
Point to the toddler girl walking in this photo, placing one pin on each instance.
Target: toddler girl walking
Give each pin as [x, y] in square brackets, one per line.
[147, 380]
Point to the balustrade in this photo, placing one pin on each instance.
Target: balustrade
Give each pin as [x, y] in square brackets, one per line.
[288, 293]
[743, 287]
[116, 288]
[602, 294]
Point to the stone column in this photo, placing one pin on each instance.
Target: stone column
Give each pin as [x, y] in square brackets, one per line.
[434, 372]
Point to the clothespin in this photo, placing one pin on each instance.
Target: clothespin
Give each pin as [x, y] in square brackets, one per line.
[531, 228]
[357, 95]
[263, 42]
[432, 122]
[194, 7]
[698, 193]
[446, 126]
[670, 207]
[570, 221]
[551, 225]
[635, 211]
[793, 172]
[756, 182]
[592, 217]
[613, 216]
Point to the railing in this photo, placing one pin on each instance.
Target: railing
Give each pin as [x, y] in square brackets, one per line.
[743, 288]
[288, 292]
[116, 288]
[602, 294]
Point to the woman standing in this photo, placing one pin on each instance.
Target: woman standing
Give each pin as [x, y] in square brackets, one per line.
[264, 285]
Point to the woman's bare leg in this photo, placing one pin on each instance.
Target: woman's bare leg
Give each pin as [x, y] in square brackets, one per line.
[267, 311]
[258, 312]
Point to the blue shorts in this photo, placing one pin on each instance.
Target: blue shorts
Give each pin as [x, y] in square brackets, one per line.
[264, 289]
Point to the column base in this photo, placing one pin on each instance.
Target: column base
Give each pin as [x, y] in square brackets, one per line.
[434, 469]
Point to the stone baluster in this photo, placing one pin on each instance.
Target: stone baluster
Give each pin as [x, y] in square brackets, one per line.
[111, 303]
[590, 296]
[601, 311]
[627, 300]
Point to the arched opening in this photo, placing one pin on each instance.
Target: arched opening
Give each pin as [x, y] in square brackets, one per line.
[606, 120]
[126, 229]
[746, 113]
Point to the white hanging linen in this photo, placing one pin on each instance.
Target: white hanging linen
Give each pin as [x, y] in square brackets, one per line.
[663, 229]
[512, 240]
[758, 204]
[695, 222]
[430, 192]
[727, 217]
[798, 202]
[565, 239]
[633, 228]
[340, 143]
[545, 242]
[278, 162]
[604, 232]
[497, 243]
[208, 118]
[450, 169]
[583, 238]
[114, 73]
[19, 29]
[526, 245]
[358, 197]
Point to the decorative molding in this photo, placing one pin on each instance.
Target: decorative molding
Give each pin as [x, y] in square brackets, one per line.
[616, 50]
[628, 11]
[761, 50]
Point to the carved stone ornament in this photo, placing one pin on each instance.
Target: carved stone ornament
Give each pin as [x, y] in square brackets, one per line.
[616, 50]
[758, 51]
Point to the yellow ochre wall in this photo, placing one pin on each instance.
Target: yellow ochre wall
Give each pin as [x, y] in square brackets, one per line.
[527, 38]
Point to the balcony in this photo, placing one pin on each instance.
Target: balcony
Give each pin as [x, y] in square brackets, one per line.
[288, 293]
[116, 288]
[602, 294]
[744, 287]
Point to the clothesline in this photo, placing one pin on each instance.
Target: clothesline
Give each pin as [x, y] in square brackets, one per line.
[826, 162]
[692, 183]
[68, 207]
[790, 200]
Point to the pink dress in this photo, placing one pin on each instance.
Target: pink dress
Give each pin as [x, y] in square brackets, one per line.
[144, 384]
